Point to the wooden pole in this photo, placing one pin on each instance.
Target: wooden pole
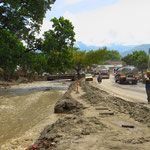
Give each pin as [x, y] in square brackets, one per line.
[77, 86]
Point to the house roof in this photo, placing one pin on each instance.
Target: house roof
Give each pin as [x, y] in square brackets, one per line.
[114, 62]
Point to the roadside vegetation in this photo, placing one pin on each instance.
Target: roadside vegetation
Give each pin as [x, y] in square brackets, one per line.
[112, 55]
[138, 59]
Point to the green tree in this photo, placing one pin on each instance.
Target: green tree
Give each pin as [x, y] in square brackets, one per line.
[23, 17]
[79, 61]
[83, 59]
[33, 62]
[58, 45]
[9, 52]
[20, 20]
[95, 57]
[112, 55]
[138, 59]
[128, 59]
[40, 63]
[10, 56]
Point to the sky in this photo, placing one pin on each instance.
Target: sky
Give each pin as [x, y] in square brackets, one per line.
[104, 22]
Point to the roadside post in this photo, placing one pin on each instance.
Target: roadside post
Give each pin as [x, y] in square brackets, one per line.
[77, 86]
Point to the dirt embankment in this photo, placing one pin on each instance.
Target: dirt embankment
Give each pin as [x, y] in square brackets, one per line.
[96, 120]
[11, 82]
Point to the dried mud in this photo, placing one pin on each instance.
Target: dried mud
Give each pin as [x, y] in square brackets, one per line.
[97, 123]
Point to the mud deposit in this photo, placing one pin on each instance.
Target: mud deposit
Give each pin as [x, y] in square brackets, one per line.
[100, 122]
[26, 109]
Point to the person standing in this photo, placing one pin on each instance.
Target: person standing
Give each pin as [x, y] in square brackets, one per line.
[147, 85]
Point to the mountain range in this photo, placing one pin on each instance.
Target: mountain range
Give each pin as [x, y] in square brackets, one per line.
[122, 49]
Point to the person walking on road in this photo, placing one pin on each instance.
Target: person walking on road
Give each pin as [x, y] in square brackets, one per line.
[147, 85]
[99, 78]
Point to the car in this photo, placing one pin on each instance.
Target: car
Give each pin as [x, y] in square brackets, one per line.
[88, 77]
[105, 74]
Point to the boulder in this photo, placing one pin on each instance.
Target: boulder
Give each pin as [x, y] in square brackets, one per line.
[67, 106]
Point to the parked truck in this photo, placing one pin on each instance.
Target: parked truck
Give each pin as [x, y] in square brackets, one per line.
[105, 73]
[128, 74]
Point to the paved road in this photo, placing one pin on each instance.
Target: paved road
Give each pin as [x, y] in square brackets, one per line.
[134, 93]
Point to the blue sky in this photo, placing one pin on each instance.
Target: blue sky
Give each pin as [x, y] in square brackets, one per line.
[76, 6]
[104, 22]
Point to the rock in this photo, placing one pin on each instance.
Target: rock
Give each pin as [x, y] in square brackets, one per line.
[67, 106]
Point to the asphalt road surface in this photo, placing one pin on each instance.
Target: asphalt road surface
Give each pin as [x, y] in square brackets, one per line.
[134, 93]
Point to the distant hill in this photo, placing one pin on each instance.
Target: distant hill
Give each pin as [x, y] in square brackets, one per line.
[144, 47]
[83, 46]
[122, 49]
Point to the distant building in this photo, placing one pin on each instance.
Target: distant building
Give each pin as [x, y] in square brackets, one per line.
[110, 66]
[113, 62]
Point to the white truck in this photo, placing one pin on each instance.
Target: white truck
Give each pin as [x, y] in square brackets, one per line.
[128, 74]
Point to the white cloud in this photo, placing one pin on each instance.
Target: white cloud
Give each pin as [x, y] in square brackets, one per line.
[72, 1]
[47, 25]
[126, 22]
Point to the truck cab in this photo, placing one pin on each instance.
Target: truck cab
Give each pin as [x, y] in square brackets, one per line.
[105, 74]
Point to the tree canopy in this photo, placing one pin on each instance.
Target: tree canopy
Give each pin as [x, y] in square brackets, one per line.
[138, 59]
[95, 57]
[19, 21]
[56, 50]
[23, 17]
[33, 62]
[9, 51]
[82, 59]
[112, 55]
[58, 45]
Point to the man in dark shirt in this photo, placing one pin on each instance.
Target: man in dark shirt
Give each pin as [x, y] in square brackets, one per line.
[147, 85]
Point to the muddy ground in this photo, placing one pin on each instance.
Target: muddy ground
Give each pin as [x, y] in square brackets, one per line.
[96, 120]
[12, 82]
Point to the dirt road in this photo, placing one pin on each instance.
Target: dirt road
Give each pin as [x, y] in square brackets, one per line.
[103, 122]
[134, 93]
